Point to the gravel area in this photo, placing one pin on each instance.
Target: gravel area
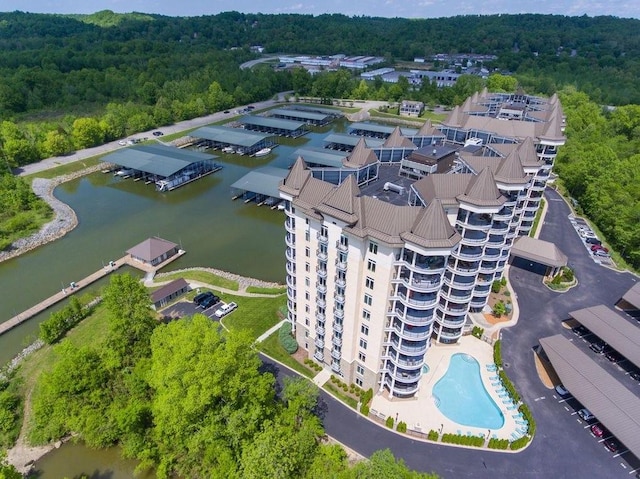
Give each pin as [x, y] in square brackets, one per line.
[64, 219]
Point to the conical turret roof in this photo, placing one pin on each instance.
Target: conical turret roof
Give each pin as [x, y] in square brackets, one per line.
[360, 156]
[432, 229]
[482, 191]
[396, 140]
[296, 178]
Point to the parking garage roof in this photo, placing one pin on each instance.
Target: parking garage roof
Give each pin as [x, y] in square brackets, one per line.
[620, 333]
[608, 399]
[543, 252]
[633, 296]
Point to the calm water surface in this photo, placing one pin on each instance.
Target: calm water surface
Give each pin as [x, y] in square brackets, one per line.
[116, 214]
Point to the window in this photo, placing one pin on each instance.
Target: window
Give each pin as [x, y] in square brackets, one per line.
[306, 310]
[360, 370]
[362, 357]
[307, 296]
[307, 235]
[363, 343]
[366, 314]
[373, 247]
[307, 252]
[306, 334]
[371, 266]
[307, 282]
[306, 321]
[359, 382]
[368, 299]
[307, 267]
[364, 330]
[369, 283]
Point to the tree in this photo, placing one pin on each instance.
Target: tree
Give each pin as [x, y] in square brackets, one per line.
[501, 83]
[131, 320]
[209, 397]
[56, 143]
[382, 465]
[86, 132]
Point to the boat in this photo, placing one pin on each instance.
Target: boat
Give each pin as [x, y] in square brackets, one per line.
[124, 172]
[263, 152]
[228, 149]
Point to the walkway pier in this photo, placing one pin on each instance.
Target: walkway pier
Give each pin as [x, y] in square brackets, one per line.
[84, 282]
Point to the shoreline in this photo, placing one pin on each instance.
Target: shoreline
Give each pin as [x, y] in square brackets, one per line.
[64, 220]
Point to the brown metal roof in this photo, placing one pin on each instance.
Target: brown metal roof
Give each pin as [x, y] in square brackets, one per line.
[511, 171]
[620, 333]
[608, 399]
[432, 229]
[296, 178]
[537, 250]
[444, 187]
[361, 156]
[428, 130]
[396, 140]
[169, 289]
[633, 296]
[340, 203]
[151, 248]
[482, 191]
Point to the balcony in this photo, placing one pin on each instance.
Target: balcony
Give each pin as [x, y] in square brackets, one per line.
[409, 350]
[319, 356]
[411, 319]
[453, 309]
[413, 363]
[337, 341]
[401, 390]
[405, 377]
[336, 354]
[499, 227]
[341, 265]
[491, 254]
[319, 343]
[322, 273]
[458, 296]
[342, 247]
[416, 302]
[451, 324]
[478, 302]
[474, 239]
[320, 317]
[339, 298]
[321, 255]
[319, 330]
[321, 303]
[290, 254]
[476, 221]
[338, 327]
[291, 268]
[321, 287]
[289, 225]
[340, 283]
[291, 282]
[449, 334]
[459, 284]
[338, 313]
[335, 366]
[406, 334]
[468, 254]
[322, 239]
[290, 240]
[464, 268]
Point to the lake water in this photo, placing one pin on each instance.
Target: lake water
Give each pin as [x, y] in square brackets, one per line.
[116, 214]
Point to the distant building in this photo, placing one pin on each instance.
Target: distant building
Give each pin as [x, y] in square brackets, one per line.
[153, 251]
[169, 292]
[445, 78]
[411, 108]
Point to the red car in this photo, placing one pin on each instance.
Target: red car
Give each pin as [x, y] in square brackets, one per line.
[599, 247]
[612, 444]
[599, 430]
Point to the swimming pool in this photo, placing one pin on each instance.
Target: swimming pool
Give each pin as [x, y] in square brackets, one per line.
[461, 396]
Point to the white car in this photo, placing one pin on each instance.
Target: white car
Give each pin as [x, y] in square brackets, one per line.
[122, 143]
[225, 309]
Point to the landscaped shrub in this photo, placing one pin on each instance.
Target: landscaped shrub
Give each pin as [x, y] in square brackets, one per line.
[499, 309]
[364, 409]
[477, 331]
[476, 441]
[496, 286]
[509, 386]
[526, 412]
[287, 341]
[498, 443]
[433, 435]
[367, 396]
[497, 353]
[519, 443]
[59, 322]
[389, 422]
[402, 427]
[567, 275]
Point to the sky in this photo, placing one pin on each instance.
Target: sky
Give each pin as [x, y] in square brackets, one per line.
[382, 8]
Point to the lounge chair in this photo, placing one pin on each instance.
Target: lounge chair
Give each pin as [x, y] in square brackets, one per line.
[514, 436]
[512, 408]
[522, 423]
[494, 378]
[491, 367]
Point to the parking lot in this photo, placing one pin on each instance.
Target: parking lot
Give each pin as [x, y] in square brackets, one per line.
[187, 308]
[590, 241]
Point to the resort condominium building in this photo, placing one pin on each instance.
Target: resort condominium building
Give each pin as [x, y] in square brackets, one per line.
[377, 272]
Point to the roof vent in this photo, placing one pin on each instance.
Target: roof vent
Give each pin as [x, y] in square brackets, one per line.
[393, 187]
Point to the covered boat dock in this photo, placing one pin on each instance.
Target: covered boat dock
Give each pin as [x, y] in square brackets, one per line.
[275, 126]
[165, 166]
[232, 140]
[375, 130]
[317, 109]
[315, 156]
[260, 185]
[344, 142]
[309, 117]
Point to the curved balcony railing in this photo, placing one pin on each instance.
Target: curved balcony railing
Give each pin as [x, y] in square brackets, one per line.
[411, 319]
[458, 297]
[473, 241]
[498, 228]
[468, 255]
[404, 377]
[418, 285]
[450, 335]
[478, 303]
[290, 240]
[450, 324]
[416, 302]
[401, 389]
[410, 335]
[411, 364]
[453, 308]
[289, 225]
[291, 281]
[491, 256]
[291, 268]
[290, 254]
[458, 284]
[409, 350]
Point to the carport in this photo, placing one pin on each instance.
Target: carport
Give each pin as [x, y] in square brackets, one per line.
[621, 334]
[610, 401]
[539, 251]
[630, 300]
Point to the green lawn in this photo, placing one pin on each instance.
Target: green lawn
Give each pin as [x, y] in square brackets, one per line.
[203, 277]
[340, 394]
[271, 346]
[65, 169]
[536, 221]
[255, 314]
[259, 290]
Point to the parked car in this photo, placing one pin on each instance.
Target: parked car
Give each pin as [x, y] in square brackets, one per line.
[561, 390]
[586, 415]
[157, 133]
[599, 430]
[122, 143]
[587, 234]
[209, 301]
[225, 309]
[593, 241]
[613, 356]
[251, 107]
[580, 330]
[599, 247]
[602, 254]
[635, 375]
[598, 347]
[612, 444]
[226, 111]
[199, 298]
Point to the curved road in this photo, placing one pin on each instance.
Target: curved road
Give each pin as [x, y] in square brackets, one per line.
[562, 447]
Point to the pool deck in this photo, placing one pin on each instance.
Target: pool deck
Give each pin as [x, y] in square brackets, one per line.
[420, 412]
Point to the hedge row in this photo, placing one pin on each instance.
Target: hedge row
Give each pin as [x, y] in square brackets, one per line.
[506, 382]
[353, 389]
[365, 399]
[313, 365]
[497, 353]
[477, 441]
[433, 435]
[59, 322]
[498, 443]
[287, 341]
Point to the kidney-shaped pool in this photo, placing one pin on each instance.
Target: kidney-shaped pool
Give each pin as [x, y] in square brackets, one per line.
[461, 396]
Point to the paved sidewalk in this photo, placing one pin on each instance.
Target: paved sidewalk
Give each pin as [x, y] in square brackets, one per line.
[322, 377]
[269, 332]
